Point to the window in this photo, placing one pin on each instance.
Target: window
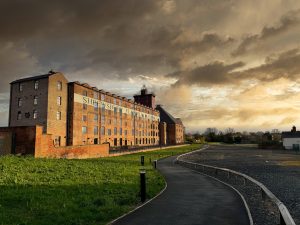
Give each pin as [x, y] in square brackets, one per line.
[58, 100]
[96, 95]
[109, 121]
[125, 132]
[132, 131]
[102, 119]
[103, 108]
[95, 130]
[19, 102]
[84, 118]
[58, 115]
[108, 131]
[120, 131]
[96, 106]
[36, 85]
[102, 97]
[35, 114]
[115, 110]
[84, 93]
[115, 121]
[35, 100]
[120, 110]
[84, 106]
[19, 115]
[59, 85]
[115, 101]
[115, 131]
[102, 130]
[84, 129]
[96, 117]
[21, 87]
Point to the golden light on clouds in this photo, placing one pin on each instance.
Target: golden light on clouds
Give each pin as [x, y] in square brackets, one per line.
[212, 63]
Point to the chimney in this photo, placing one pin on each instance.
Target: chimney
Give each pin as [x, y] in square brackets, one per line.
[293, 129]
[144, 90]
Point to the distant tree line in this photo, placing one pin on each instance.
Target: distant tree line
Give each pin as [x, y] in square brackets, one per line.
[230, 136]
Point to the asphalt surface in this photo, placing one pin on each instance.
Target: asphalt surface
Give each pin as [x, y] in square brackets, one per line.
[190, 199]
[266, 166]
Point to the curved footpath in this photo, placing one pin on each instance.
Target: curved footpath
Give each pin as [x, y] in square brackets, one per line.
[190, 199]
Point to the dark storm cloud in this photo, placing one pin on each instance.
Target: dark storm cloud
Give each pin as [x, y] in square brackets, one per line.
[287, 21]
[216, 73]
[20, 19]
[284, 65]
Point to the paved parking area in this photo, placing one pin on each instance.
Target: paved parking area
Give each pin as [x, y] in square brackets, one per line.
[279, 170]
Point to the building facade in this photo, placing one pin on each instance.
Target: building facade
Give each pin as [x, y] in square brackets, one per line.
[78, 114]
[97, 117]
[174, 127]
[41, 100]
[291, 139]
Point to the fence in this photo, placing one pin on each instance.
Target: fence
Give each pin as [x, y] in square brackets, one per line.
[275, 210]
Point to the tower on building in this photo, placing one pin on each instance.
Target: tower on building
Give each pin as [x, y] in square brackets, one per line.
[145, 98]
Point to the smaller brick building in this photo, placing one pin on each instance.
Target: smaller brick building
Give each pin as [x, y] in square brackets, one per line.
[174, 127]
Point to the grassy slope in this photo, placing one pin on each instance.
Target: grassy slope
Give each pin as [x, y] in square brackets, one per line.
[60, 191]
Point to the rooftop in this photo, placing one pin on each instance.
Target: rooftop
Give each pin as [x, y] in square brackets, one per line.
[51, 72]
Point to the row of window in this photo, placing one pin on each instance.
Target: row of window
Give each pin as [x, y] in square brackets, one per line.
[115, 101]
[36, 86]
[35, 115]
[35, 100]
[115, 131]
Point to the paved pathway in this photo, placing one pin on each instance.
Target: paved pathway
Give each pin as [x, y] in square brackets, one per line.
[189, 199]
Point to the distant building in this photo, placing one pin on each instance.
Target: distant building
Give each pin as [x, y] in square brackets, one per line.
[291, 139]
[174, 127]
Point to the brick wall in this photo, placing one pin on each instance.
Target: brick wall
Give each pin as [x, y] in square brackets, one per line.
[44, 148]
[23, 139]
[57, 127]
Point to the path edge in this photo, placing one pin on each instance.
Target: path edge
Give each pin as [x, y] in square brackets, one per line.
[230, 186]
[140, 206]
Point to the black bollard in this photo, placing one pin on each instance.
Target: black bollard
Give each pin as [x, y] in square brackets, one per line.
[142, 160]
[155, 164]
[143, 185]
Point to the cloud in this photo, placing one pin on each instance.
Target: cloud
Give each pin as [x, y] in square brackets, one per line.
[286, 22]
[215, 73]
[283, 65]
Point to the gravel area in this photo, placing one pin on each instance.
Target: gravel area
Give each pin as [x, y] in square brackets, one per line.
[270, 167]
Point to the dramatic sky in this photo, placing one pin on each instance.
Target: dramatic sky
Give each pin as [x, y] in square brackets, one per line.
[214, 63]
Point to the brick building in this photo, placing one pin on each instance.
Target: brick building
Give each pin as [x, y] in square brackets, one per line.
[173, 126]
[74, 113]
[78, 114]
[97, 116]
[41, 100]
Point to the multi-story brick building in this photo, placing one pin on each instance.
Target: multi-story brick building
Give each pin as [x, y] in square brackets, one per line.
[97, 116]
[78, 114]
[41, 100]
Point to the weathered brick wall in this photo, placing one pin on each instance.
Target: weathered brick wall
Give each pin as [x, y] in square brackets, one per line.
[57, 127]
[27, 96]
[5, 142]
[23, 139]
[44, 148]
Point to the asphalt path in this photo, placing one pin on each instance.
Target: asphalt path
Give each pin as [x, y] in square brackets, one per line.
[190, 199]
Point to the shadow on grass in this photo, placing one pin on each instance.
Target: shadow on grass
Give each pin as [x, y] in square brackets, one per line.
[80, 204]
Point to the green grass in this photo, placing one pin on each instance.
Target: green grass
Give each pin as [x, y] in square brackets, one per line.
[72, 192]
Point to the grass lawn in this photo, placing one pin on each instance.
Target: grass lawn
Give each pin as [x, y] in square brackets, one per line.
[84, 191]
